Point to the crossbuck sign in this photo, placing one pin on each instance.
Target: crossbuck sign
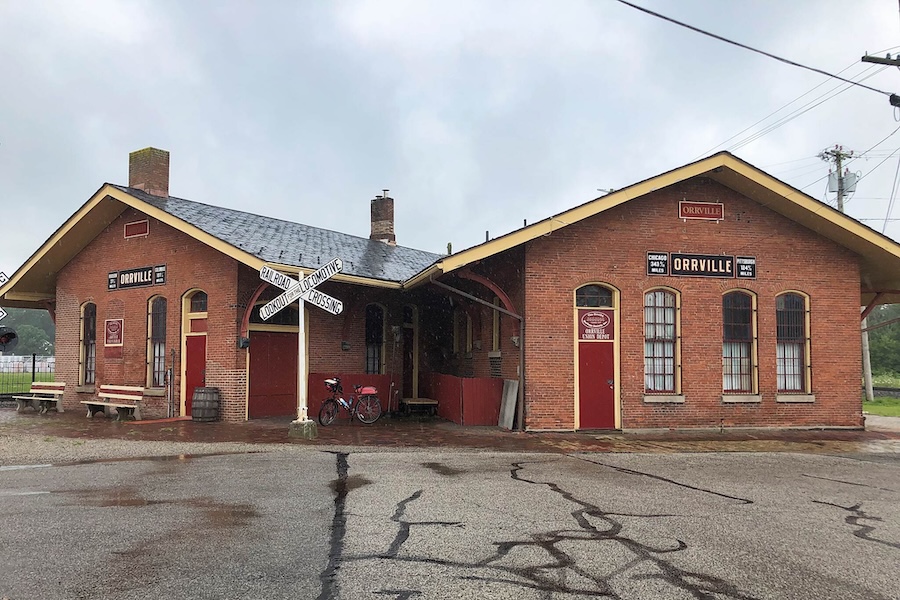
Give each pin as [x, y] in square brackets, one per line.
[304, 289]
[3, 279]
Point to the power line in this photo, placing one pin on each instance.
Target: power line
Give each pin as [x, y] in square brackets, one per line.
[890, 206]
[746, 47]
[798, 112]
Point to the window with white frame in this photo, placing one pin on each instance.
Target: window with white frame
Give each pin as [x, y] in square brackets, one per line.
[792, 338]
[738, 348]
[660, 342]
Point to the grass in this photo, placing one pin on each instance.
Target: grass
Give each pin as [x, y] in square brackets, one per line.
[886, 407]
[20, 383]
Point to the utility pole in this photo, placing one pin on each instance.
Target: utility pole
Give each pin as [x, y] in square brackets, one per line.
[837, 156]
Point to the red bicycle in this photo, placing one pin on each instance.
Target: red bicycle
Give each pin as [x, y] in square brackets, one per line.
[365, 404]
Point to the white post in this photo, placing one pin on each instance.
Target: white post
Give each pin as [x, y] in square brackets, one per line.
[302, 383]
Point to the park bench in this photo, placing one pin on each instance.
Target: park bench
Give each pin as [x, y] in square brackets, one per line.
[410, 405]
[126, 399]
[44, 395]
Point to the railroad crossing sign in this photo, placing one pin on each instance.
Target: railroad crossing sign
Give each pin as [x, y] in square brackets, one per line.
[304, 289]
[3, 279]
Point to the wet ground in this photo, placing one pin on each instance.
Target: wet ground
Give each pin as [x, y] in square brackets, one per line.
[391, 432]
[410, 508]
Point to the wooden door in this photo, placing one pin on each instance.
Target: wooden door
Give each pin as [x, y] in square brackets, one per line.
[273, 374]
[194, 368]
[596, 385]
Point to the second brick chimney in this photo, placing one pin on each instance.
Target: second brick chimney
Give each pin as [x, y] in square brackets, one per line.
[383, 219]
[148, 170]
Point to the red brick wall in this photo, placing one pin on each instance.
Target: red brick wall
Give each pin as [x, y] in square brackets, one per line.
[611, 248]
[189, 264]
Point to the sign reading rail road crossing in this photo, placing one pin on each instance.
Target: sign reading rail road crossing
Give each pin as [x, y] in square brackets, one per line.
[303, 289]
[3, 279]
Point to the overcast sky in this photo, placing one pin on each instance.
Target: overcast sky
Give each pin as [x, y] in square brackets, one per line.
[475, 114]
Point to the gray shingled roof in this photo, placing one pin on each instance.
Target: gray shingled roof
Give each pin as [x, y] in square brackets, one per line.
[294, 244]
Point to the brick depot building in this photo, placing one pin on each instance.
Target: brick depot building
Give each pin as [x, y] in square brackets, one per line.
[712, 295]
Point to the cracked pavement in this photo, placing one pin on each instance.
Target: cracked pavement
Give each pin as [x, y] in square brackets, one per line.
[313, 523]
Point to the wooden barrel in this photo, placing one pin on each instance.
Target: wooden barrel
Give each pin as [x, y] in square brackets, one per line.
[205, 404]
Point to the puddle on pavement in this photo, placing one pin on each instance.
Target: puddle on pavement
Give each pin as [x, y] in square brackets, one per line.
[215, 515]
[352, 482]
[164, 458]
[441, 468]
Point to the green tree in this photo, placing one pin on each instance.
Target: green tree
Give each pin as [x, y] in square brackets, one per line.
[33, 341]
[35, 329]
[884, 342]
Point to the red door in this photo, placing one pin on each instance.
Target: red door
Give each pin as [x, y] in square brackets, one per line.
[273, 375]
[194, 368]
[596, 385]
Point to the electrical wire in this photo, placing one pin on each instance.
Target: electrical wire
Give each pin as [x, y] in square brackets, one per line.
[890, 207]
[746, 47]
[773, 113]
[798, 112]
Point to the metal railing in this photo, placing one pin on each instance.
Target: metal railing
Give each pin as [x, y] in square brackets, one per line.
[18, 372]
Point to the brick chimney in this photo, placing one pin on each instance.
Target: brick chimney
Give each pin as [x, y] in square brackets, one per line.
[148, 170]
[383, 219]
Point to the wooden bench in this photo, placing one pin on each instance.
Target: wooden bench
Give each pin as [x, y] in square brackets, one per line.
[423, 404]
[44, 396]
[126, 399]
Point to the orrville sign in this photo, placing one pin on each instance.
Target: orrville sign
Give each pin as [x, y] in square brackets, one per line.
[709, 211]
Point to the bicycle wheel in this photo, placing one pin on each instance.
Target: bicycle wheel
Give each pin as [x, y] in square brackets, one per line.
[328, 412]
[369, 409]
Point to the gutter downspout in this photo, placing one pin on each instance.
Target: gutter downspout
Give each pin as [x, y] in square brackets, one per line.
[520, 397]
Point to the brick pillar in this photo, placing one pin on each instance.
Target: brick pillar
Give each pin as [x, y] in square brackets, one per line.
[148, 170]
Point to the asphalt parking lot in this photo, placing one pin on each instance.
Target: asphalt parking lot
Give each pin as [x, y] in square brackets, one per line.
[293, 521]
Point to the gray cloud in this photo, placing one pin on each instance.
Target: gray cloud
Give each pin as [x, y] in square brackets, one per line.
[476, 115]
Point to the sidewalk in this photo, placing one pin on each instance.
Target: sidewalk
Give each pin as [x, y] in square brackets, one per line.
[882, 435]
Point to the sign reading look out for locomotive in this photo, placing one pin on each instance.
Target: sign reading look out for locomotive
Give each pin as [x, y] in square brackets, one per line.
[304, 289]
[701, 265]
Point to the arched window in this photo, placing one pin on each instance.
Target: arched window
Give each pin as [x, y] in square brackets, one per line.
[593, 296]
[88, 369]
[156, 341]
[198, 302]
[792, 343]
[738, 343]
[661, 339]
[374, 339]
[287, 316]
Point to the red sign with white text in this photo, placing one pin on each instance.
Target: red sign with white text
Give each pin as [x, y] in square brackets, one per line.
[710, 211]
[595, 325]
[113, 330]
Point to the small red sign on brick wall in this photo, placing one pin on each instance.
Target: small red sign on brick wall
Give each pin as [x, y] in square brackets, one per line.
[137, 229]
[595, 324]
[710, 211]
[113, 331]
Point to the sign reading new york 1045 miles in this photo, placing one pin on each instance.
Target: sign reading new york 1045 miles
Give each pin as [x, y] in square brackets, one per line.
[304, 289]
